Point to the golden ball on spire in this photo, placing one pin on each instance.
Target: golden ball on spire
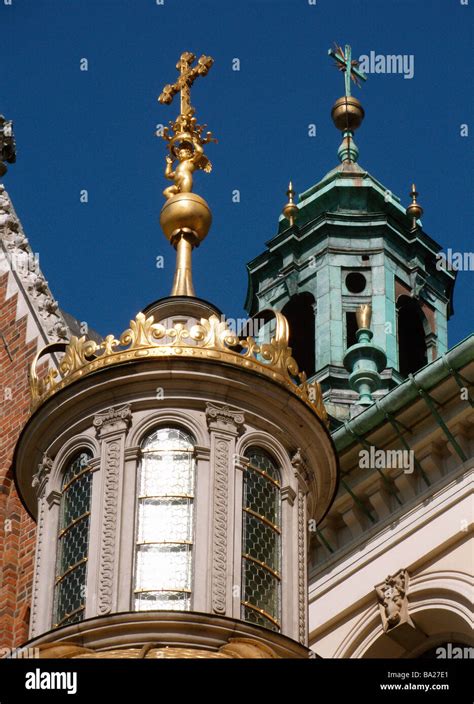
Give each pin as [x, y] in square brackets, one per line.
[185, 211]
[347, 113]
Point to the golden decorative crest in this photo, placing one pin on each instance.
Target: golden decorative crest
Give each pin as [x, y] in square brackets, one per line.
[210, 338]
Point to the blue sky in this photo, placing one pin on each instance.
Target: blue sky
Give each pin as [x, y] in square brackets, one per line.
[94, 130]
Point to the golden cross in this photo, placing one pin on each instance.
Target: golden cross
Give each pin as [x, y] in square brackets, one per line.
[187, 76]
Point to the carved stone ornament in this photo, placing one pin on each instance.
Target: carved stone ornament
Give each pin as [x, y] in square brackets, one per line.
[41, 477]
[109, 525]
[393, 600]
[219, 561]
[299, 466]
[113, 419]
[223, 417]
[16, 255]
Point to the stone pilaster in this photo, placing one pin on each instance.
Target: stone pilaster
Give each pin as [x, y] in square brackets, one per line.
[302, 543]
[224, 425]
[40, 484]
[111, 426]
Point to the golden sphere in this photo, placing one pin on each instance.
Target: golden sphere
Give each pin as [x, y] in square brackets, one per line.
[290, 210]
[347, 113]
[185, 211]
[415, 210]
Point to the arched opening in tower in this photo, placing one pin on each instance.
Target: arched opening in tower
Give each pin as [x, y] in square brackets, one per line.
[412, 353]
[300, 315]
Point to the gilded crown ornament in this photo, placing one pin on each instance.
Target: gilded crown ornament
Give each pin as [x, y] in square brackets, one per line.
[347, 112]
[185, 217]
[211, 338]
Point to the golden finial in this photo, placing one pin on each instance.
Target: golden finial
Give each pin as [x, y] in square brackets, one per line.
[347, 112]
[290, 210]
[185, 217]
[414, 210]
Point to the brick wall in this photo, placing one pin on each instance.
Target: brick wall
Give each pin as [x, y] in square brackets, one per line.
[17, 530]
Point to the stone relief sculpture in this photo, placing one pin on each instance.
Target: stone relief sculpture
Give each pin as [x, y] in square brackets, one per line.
[393, 600]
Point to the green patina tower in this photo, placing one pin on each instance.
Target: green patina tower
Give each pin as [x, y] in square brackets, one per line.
[348, 243]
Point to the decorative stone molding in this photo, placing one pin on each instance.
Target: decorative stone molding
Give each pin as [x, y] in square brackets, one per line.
[40, 479]
[223, 418]
[201, 453]
[224, 425]
[19, 257]
[240, 462]
[301, 471]
[53, 498]
[219, 562]
[393, 600]
[169, 629]
[302, 581]
[94, 464]
[132, 453]
[288, 494]
[113, 420]
[111, 425]
[112, 457]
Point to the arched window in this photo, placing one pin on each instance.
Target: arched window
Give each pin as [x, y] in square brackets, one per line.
[300, 315]
[261, 541]
[73, 541]
[412, 353]
[163, 565]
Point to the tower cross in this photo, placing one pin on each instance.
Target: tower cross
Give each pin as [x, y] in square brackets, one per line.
[349, 66]
[187, 76]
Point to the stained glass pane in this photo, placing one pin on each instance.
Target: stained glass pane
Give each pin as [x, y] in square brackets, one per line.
[163, 567]
[262, 460]
[77, 500]
[73, 539]
[73, 545]
[261, 541]
[262, 496]
[70, 596]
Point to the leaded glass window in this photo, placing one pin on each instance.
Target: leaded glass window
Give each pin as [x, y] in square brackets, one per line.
[164, 551]
[73, 541]
[261, 541]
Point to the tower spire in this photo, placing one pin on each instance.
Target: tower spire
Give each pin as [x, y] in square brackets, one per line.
[347, 112]
[185, 217]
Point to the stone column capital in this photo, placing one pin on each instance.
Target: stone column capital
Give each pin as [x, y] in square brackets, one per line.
[40, 478]
[224, 419]
[113, 420]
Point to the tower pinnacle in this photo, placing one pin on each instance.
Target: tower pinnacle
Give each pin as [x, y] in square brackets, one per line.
[185, 217]
[347, 112]
[414, 210]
